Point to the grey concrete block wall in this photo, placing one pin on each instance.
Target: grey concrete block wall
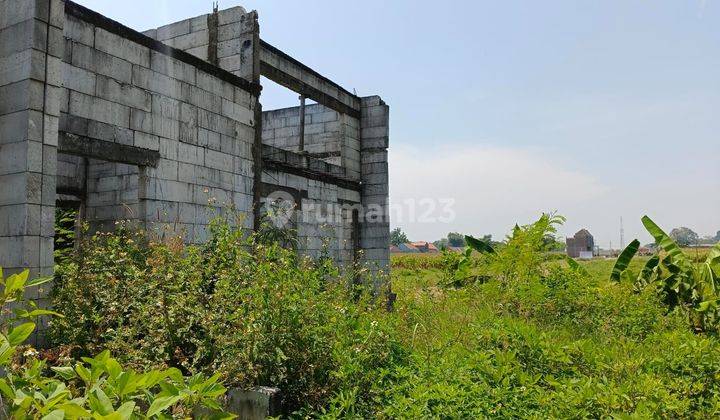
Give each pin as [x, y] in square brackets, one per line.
[328, 135]
[322, 218]
[203, 128]
[71, 72]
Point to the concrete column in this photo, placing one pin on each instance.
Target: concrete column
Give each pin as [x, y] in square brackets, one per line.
[31, 50]
[375, 226]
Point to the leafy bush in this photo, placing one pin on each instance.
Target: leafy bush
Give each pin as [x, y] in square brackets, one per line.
[250, 309]
[100, 389]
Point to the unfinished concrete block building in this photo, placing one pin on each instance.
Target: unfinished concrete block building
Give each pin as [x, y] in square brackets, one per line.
[166, 126]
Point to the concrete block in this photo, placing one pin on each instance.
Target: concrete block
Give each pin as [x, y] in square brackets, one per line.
[201, 98]
[19, 252]
[165, 107]
[372, 132]
[227, 145]
[213, 84]
[146, 141]
[20, 219]
[79, 31]
[209, 139]
[238, 113]
[188, 132]
[191, 40]
[233, 14]
[79, 79]
[198, 23]
[219, 160]
[189, 153]
[168, 148]
[56, 43]
[141, 120]
[120, 47]
[161, 211]
[369, 101]
[229, 31]
[24, 187]
[96, 129]
[26, 94]
[375, 143]
[188, 172]
[28, 34]
[374, 156]
[20, 157]
[173, 30]
[49, 160]
[186, 212]
[231, 63]
[174, 191]
[99, 109]
[21, 126]
[168, 66]
[17, 11]
[102, 63]
[231, 47]
[166, 127]
[199, 52]
[57, 13]
[123, 93]
[22, 65]
[156, 82]
[53, 97]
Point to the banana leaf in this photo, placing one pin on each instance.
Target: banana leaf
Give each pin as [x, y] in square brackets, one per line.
[664, 241]
[479, 245]
[624, 260]
[649, 268]
[575, 265]
[713, 259]
[708, 278]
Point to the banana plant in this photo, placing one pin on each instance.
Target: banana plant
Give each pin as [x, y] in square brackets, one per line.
[693, 287]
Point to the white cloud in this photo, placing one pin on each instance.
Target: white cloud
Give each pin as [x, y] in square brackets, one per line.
[493, 187]
[496, 187]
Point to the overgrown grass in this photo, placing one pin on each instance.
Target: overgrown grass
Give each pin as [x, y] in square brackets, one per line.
[523, 336]
[571, 345]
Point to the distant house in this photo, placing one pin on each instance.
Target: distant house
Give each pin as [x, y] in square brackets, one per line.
[581, 245]
[408, 248]
[425, 247]
[414, 248]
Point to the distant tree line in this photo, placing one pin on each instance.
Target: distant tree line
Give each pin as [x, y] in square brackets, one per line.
[684, 236]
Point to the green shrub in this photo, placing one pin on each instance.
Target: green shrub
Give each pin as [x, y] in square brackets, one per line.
[97, 388]
[250, 309]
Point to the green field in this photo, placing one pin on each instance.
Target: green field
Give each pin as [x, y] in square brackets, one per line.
[570, 345]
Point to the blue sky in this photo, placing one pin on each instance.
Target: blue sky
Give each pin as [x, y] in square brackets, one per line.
[598, 110]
